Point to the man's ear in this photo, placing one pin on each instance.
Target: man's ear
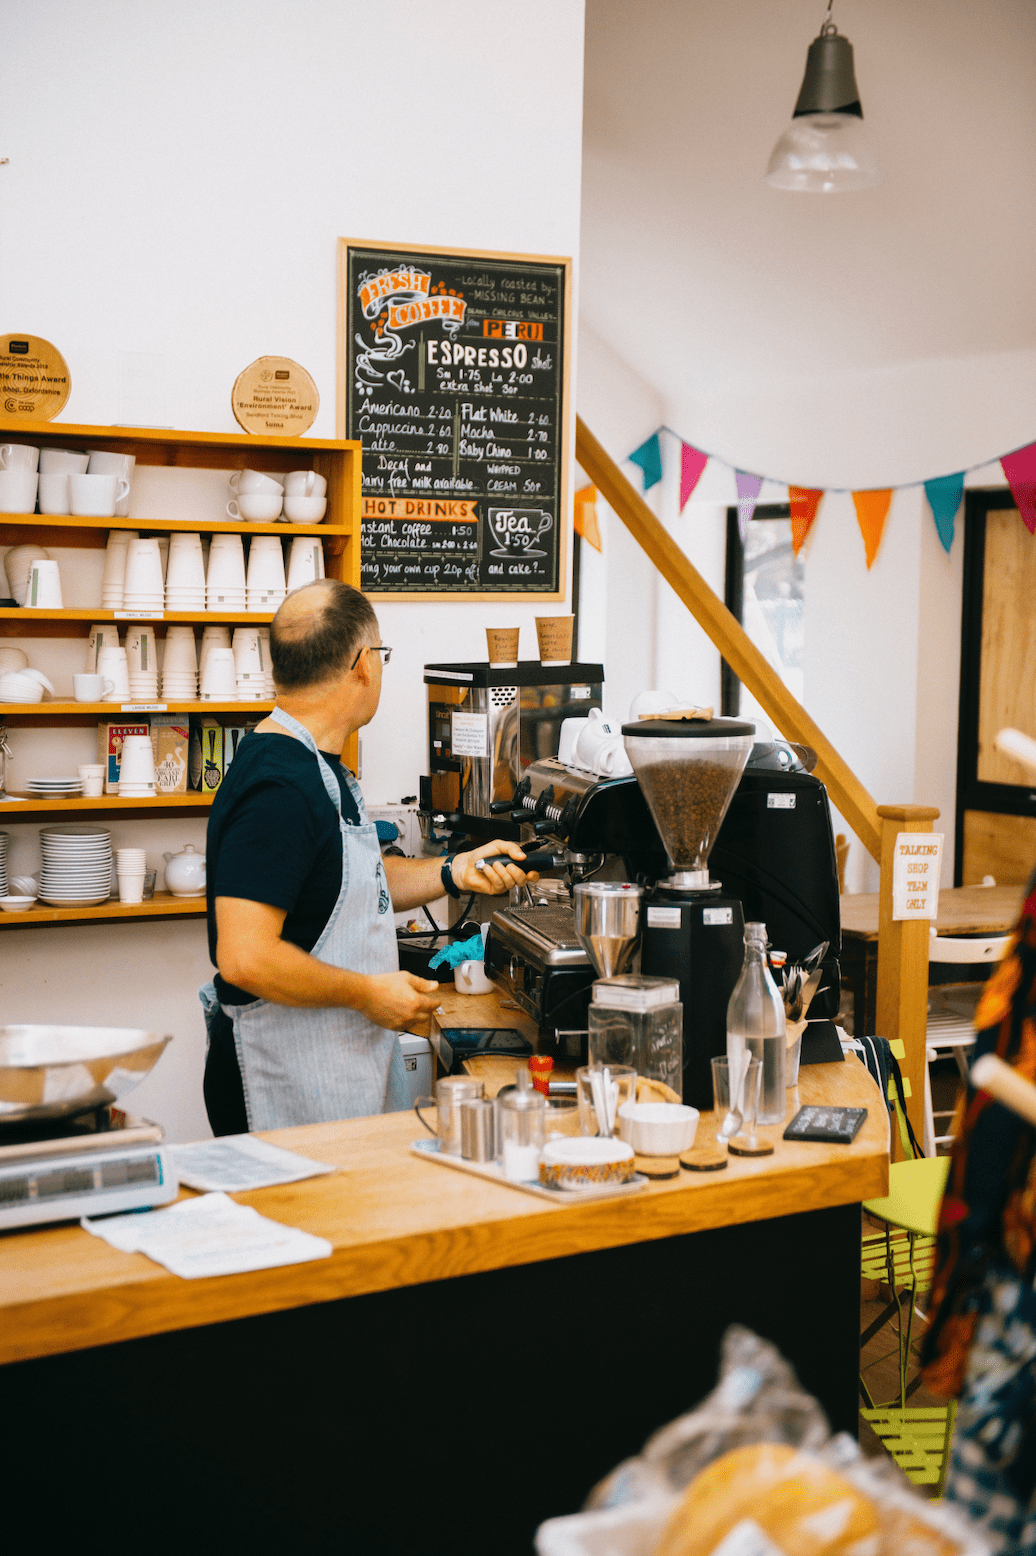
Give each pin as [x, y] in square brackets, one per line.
[363, 670]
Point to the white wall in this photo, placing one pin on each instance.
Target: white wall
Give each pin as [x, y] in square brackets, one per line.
[177, 207]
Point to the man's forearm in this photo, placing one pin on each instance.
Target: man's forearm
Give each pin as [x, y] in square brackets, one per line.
[286, 975]
[413, 882]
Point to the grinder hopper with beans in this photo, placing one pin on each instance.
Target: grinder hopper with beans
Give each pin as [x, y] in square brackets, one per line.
[688, 768]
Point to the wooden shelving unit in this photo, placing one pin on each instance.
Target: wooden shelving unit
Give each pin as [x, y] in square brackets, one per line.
[162, 905]
[338, 461]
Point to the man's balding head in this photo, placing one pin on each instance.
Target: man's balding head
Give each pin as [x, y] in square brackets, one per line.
[318, 632]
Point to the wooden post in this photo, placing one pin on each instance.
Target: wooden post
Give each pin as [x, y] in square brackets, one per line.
[902, 995]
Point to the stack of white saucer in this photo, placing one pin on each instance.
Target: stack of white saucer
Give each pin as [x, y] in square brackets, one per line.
[185, 573]
[225, 588]
[180, 665]
[77, 864]
[266, 585]
[252, 666]
[114, 575]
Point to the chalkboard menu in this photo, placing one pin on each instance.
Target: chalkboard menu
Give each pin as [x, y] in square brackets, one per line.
[452, 369]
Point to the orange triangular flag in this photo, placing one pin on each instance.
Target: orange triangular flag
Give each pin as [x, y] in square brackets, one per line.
[871, 512]
[586, 516]
[804, 504]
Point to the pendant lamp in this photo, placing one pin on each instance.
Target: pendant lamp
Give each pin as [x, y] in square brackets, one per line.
[825, 148]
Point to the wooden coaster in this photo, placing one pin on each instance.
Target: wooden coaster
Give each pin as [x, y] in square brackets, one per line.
[761, 1148]
[34, 378]
[275, 396]
[657, 1166]
[704, 1160]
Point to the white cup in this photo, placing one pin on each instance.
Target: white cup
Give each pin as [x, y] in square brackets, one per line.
[305, 483]
[18, 491]
[248, 652]
[90, 688]
[306, 562]
[254, 481]
[305, 510]
[111, 662]
[141, 651]
[218, 676]
[256, 507]
[63, 461]
[470, 978]
[91, 774]
[95, 496]
[19, 456]
[131, 887]
[105, 635]
[138, 761]
[143, 575]
[44, 588]
[104, 463]
[54, 494]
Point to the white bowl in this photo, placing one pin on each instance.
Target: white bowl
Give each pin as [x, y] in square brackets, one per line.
[16, 686]
[16, 904]
[658, 1128]
[576, 1162]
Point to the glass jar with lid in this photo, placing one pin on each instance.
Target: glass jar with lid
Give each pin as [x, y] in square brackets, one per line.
[638, 1020]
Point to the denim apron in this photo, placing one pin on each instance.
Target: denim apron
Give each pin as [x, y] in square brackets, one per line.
[305, 1066]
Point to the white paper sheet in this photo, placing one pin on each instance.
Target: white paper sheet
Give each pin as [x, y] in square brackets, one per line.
[236, 1163]
[211, 1235]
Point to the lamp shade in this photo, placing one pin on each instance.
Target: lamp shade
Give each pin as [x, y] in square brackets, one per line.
[825, 149]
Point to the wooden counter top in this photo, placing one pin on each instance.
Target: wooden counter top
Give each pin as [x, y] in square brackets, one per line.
[963, 910]
[396, 1221]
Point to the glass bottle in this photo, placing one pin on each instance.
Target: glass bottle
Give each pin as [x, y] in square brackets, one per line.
[755, 1017]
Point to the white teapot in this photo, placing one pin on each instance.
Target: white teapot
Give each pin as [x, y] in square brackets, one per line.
[185, 872]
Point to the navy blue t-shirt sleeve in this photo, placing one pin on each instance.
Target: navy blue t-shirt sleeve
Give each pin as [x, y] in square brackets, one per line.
[268, 846]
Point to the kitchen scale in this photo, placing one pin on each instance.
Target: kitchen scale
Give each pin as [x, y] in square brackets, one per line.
[102, 1162]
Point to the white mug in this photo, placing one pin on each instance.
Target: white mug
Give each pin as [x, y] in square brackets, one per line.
[62, 461]
[18, 491]
[470, 978]
[54, 493]
[95, 496]
[254, 481]
[305, 483]
[104, 463]
[19, 456]
[91, 688]
[256, 507]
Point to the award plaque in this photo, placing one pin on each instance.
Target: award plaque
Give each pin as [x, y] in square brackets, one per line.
[276, 397]
[34, 379]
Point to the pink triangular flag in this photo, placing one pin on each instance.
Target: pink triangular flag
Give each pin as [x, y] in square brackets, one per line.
[692, 463]
[748, 489]
[1020, 470]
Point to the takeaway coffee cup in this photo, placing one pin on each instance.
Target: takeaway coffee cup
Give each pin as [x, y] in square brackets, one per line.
[503, 646]
[91, 688]
[554, 636]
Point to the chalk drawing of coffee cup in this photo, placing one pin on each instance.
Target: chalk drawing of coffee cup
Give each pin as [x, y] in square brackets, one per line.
[517, 531]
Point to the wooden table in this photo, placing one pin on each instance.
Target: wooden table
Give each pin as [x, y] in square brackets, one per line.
[466, 1347]
[963, 910]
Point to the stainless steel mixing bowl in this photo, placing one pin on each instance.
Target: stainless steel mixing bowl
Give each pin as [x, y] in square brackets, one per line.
[55, 1072]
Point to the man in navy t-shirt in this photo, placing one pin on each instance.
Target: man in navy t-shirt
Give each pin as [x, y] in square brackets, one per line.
[298, 1035]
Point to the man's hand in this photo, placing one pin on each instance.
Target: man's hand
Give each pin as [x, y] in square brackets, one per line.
[399, 1000]
[495, 878]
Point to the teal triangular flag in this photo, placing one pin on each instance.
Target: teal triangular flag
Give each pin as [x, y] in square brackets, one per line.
[649, 457]
[944, 494]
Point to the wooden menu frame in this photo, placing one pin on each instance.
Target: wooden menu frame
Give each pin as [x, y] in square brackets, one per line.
[351, 319]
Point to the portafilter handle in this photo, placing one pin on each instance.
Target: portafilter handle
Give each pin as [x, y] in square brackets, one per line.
[538, 859]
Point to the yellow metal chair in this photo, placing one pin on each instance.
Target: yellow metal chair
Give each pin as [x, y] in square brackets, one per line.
[902, 1255]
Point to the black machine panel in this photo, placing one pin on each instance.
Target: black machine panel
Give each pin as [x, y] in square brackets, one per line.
[776, 852]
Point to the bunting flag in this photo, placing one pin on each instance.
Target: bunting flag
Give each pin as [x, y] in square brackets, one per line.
[586, 516]
[871, 512]
[649, 457]
[692, 463]
[748, 489]
[1020, 470]
[804, 504]
[944, 495]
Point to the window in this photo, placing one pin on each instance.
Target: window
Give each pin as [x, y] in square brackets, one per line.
[765, 591]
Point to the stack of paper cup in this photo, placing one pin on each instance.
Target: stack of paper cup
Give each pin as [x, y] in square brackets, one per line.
[305, 562]
[137, 768]
[43, 590]
[104, 463]
[266, 583]
[185, 573]
[218, 675]
[131, 866]
[225, 587]
[104, 635]
[180, 665]
[142, 661]
[214, 636]
[113, 578]
[251, 666]
[16, 565]
[113, 665]
[144, 586]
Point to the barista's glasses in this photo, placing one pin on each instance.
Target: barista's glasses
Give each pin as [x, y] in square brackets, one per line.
[375, 648]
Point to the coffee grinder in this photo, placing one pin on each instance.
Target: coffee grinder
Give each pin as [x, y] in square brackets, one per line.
[688, 769]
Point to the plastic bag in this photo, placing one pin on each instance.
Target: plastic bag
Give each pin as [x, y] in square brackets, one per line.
[758, 1400]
